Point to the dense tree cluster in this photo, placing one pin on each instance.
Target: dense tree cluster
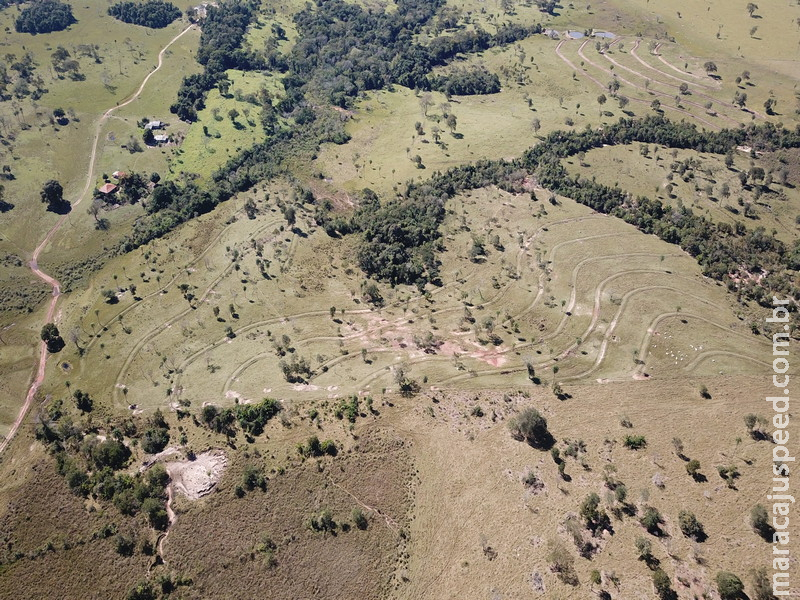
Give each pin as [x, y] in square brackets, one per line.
[220, 49]
[343, 49]
[751, 262]
[92, 467]
[441, 49]
[45, 16]
[462, 81]
[155, 14]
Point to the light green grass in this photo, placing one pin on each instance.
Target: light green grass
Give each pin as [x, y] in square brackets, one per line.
[627, 167]
[214, 138]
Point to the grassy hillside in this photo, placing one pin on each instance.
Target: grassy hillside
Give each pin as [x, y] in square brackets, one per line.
[247, 401]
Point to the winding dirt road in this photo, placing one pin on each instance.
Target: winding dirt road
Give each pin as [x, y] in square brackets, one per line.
[52, 282]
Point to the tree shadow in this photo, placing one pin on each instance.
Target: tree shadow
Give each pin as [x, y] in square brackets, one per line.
[61, 208]
[5, 206]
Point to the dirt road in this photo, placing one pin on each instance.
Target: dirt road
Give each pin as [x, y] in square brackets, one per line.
[52, 282]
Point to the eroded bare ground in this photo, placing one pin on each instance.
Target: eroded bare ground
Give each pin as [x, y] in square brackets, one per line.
[197, 477]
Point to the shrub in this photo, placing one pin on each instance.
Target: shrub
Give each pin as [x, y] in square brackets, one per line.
[652, 520]
[253, 417]
[634, 442]
[142, 591]
[124, 545]
[729, 474]
[762, 584]
[759, 521]
[693, 468]
[561, 562]
[663, 584]
[531, 426]
[253, 478]
[359, 518]
[690, 526]
[729, 585]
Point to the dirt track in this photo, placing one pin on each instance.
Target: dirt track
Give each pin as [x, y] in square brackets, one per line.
[52, 282]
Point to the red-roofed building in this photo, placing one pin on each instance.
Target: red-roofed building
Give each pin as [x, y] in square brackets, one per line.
[108, 188]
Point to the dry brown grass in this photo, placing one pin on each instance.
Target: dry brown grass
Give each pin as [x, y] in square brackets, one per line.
[41, 511]
[215, 540]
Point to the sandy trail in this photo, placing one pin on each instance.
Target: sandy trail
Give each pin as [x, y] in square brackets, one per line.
[52, 282]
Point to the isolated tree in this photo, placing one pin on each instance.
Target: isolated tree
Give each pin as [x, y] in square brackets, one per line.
[751, 8]
[656, 105]
[233, 114]
[623, 101]
[740, 99]
[452, 122]
[730, 587]
[4, 206]
[52, 338]
[536, 125]
[531, 427]
[425, 103]
[710, 67]
[52, 194]
[753, 30]
[769, 106]
[83, 401]
[651, 520]
[290, 215]
[601, 99]
[684, 88]
[663, 584]
[644, 548]
[95, 208]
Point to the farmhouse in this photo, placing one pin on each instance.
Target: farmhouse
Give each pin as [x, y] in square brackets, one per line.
[108, 188]
[154, 125]
[161, 138]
